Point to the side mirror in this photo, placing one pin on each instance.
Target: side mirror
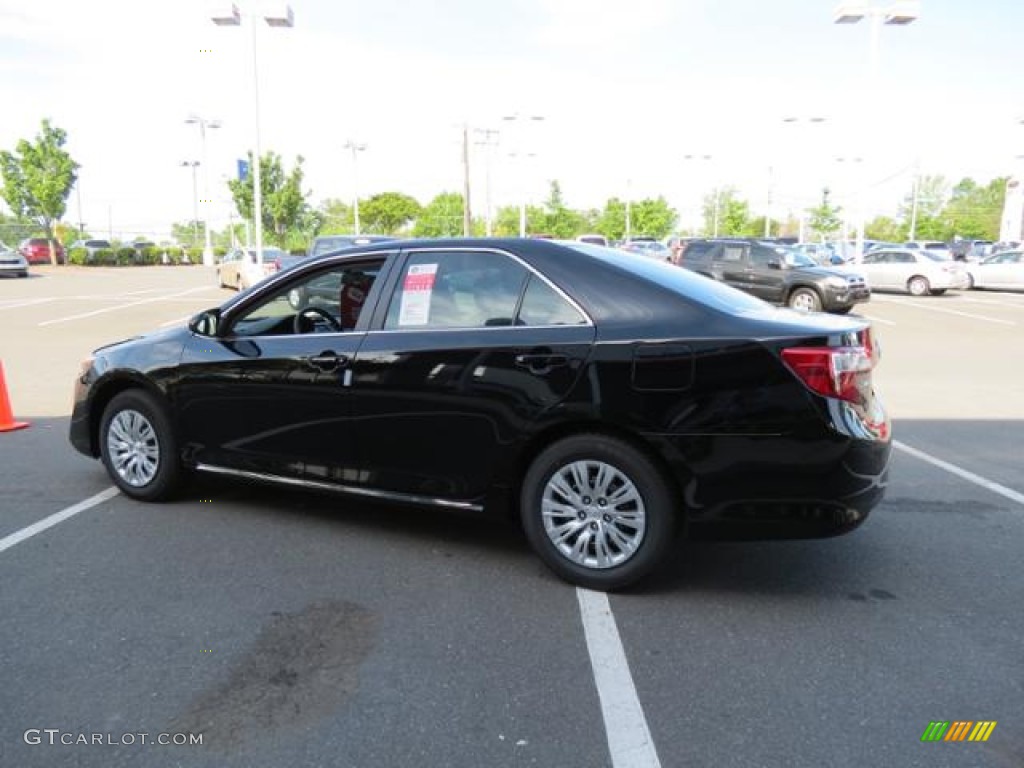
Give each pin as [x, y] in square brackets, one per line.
[205, 323]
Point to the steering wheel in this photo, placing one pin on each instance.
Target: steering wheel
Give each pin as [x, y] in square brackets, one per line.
[306, 319]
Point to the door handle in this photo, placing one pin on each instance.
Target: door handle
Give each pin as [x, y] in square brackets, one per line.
[539, 362]
[326, 361]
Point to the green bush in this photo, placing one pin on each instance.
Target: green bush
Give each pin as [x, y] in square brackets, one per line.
[150, 255]
[124, 256]
[78, 256]
[195, 256]
[104, 257]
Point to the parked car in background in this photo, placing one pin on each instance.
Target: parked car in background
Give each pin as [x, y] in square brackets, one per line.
[1004, 271]
[603, 399]
[240, 269]
[592, 239]
[36, 250]
[12, 262]
[779, 274]
[91, 246]
[918, 272]
[934, 246]
[329, 243]
[649, 247]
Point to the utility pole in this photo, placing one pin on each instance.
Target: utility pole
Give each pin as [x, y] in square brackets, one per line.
[913, 205]
[488, 145]
[467, 216]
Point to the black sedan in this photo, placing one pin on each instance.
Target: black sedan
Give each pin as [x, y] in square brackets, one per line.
[607, 400]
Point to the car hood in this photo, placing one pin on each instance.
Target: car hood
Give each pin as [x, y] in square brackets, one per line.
[819, 272]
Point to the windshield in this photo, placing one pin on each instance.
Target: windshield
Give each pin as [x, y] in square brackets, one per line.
[796, 258]
[937, 255]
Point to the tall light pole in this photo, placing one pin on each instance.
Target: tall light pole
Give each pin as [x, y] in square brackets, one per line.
[203, 124]
[897, 13]
[793, 121]
[487, 134]
[520, 131]
[193, 164]
[707, 159]
[232, 18]
[355, 147]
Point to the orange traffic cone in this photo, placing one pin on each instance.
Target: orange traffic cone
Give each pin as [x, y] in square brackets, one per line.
[7, 422]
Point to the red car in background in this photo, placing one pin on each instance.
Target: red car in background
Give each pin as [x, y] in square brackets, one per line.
[36, 250]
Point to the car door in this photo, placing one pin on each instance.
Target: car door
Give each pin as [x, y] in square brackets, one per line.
[270, 392]
[731, 265]
[763, 279]
[470, 348]
[879, 267]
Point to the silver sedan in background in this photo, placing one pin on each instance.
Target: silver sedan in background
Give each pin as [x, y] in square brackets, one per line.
[1004, 270]
[918, 272]
[12, 262]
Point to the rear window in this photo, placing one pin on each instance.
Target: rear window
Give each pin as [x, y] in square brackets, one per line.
[688, 284]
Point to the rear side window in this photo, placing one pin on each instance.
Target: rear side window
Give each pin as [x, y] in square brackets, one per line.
[543, 305]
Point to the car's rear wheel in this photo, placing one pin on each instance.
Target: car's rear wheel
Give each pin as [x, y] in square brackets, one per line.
[138, 446]
[918, 286]
[805, 300]
[597, 511]
[970, 281]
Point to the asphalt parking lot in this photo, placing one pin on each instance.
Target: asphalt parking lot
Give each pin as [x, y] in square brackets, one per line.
[300, 630]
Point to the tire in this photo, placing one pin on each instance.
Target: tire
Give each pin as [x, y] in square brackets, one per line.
[970, 281]
[636, 530]
[918, 286]
[937, 291]
[149, 469]
[804, 300]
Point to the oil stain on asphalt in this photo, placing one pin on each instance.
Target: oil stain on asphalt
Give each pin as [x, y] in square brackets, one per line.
[302, 667]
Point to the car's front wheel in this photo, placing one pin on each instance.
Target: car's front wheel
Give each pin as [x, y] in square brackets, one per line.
[597, 511]
[805, 300]
[138, 446]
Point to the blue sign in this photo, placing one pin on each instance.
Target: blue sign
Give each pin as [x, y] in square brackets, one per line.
[243, 170]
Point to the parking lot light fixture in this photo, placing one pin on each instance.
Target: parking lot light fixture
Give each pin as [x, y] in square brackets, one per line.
[896, 13]
[355, 148]
[231, 17]
[203, 124]
[522, 153]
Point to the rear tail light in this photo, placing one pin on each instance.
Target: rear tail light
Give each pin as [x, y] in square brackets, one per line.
[839, 372]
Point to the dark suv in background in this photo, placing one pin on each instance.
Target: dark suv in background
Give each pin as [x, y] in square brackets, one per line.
[776, 273]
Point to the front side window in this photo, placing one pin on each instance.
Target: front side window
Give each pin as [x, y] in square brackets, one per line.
[456, 289]
[327, 301]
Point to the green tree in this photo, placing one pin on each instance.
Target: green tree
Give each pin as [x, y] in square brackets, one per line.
[824, 219]
[284, 203]
[441, 217]
[506, 220]
[975, 212]
[559, 219]
[725, 213]
[652, 217]
[925, 218]
[13, 230]
[886, 229]
[612, 220]
[388, 212]
[37, 179]
[186, 232]
[336, 218]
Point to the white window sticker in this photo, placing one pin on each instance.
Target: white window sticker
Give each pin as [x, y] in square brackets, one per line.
[417, 288]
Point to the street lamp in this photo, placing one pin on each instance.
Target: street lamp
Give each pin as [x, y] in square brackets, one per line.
[193, 164]
[898, 13]
[355, 147]
[231, 17]
[203, 124]
[707, 159]
[795, 121]
[521, 141]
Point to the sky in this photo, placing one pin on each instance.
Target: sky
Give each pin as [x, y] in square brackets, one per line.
[627, 91]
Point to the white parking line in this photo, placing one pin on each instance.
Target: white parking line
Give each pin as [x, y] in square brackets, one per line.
[629, 739]
[57, 517]
[26, 303]
[120, 306]
[995, 302]
[984, 482]
[948, 311]
[879, 320]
